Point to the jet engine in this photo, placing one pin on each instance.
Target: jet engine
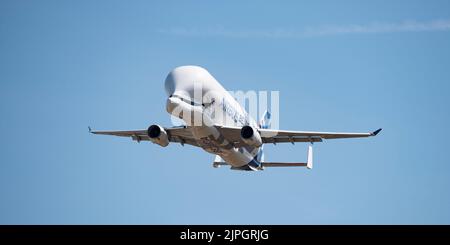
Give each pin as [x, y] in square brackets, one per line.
[158, 135]
[251, 136]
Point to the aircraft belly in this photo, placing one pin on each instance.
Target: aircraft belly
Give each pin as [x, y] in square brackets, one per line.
[212, 141]
[238, 159]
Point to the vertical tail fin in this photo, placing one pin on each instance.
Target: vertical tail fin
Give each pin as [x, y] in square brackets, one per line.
[309, 163]
[265, 120]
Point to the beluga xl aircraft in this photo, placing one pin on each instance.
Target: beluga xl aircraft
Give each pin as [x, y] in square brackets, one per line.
[217, 123]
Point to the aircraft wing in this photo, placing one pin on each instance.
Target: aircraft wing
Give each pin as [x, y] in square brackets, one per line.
[175, 134]
[285, 136]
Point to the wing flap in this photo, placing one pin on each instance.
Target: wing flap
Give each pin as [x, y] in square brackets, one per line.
[127, 133]
[176, 134]
[290, 139]
[324, 135]
[285, 136]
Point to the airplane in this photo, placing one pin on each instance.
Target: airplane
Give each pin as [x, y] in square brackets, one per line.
[217, 123]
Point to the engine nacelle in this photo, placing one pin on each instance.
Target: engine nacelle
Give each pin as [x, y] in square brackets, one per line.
[158, 135]
[251, 136]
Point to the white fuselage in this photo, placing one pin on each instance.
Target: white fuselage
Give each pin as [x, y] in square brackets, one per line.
[202, 103]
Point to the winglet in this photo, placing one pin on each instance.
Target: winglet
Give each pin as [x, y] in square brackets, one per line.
[90, 130]
[374, 133]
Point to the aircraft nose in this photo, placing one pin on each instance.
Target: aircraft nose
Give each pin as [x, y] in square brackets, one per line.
[179, 79]
[172, 103]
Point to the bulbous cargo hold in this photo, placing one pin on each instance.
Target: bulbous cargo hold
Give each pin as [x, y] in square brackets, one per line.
[184, 80]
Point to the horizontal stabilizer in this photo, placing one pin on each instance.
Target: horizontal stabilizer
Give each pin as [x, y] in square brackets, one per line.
[284, 164]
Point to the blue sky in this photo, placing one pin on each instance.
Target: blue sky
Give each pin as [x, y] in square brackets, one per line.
[339, 66]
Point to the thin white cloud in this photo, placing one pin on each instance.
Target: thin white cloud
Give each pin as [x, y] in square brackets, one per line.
[329, 30]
